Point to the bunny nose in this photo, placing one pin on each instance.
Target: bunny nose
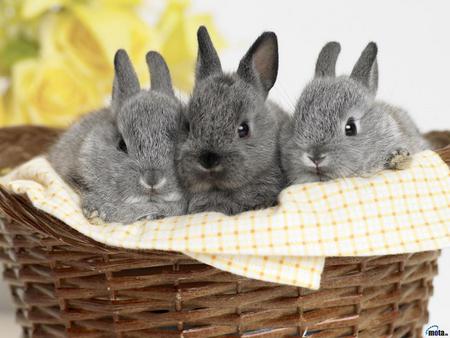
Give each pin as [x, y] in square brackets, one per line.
[317, 158]
[152, 179]
[209, 160]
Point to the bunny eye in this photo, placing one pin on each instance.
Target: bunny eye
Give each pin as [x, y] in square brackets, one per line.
[187, 126]
[350, 127]
[243, 130]
[122, 146]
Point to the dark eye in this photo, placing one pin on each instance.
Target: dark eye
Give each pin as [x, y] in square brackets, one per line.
[122, 146]
[350, 128]
[243, 130]
[187, 126]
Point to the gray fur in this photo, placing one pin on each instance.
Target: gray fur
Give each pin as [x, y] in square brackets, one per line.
[208, 62]
[385, 138]
[365, 70]
[160, 79]
[88, 157]
[259, 66]
[326, 62]
[126, 82]
[249, 175]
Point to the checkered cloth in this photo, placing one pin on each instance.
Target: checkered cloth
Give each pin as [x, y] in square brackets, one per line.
[393, 212]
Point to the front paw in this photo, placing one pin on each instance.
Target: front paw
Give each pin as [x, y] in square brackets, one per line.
[90, 210]
[399, 159]
[94, 208]
[90, 214]
[152, 217]
[104, 212]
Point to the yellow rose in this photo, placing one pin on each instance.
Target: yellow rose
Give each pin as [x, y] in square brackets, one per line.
[90, 34]
[49, 92]
[63, 33]
[74, 71]
[178, 31]
[124, 3]
[33, 8]
[114, 28]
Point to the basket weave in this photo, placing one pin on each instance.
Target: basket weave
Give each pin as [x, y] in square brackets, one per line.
[66, 285]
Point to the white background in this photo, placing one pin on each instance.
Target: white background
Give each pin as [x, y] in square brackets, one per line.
[414, 62]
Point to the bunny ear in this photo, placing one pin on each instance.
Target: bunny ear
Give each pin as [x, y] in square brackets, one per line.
[326, 62]
[159, 73]
[259, 66]
[208, 61]
[126, 82]
[366, 69]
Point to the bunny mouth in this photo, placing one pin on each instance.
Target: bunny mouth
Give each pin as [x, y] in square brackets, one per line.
[208, 181]
[321, 173]
[213, 180]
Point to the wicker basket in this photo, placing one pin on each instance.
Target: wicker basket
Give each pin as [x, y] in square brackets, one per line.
[66, 285]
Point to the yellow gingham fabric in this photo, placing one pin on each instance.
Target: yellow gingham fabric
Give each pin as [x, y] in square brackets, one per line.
[393, 212]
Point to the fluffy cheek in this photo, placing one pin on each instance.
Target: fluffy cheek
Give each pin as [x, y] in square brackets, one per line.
[294, 166]
[235, 168]
[171, 191]
[345, 164]
[191, 177]
[293, 155]
[186, 162]
[127, 178]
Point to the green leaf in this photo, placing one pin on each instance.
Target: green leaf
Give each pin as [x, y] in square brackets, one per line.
[15, 50]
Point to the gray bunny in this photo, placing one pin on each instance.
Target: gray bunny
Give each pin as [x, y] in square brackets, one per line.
[227, 154]
[340, 130]
[121, 159]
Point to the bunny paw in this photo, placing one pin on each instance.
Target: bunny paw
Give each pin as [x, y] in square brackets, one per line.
[93, 209]
[152, 217]
[399, 159]
[90, 213]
